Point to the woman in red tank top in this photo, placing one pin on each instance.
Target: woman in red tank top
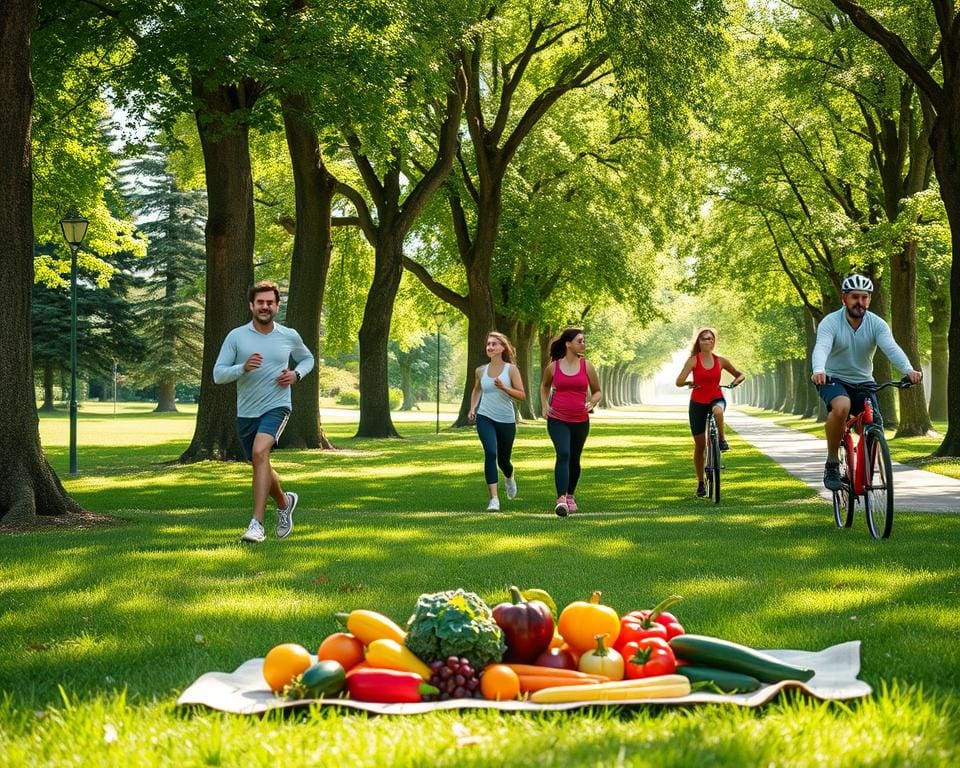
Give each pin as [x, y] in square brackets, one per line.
[707, 396]
[567, 411]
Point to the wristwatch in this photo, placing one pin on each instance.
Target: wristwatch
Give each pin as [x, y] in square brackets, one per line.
[298, 375]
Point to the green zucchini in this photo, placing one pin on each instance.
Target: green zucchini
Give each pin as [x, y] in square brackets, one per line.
[733, 657]
[325, 678]
[726, 681]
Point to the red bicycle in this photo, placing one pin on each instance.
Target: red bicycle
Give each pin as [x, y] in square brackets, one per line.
[865, 467]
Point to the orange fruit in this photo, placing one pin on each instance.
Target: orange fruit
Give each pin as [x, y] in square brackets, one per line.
[499, 683]
[343, 648]
[283, 663]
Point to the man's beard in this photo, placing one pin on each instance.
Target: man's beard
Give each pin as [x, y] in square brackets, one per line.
[258, 318]
[856, 311]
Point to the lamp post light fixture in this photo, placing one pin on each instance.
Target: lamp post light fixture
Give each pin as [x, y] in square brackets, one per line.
[74, 229]
[438, 315]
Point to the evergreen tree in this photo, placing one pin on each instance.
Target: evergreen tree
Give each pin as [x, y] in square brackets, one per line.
[107, 327]
[170, 311]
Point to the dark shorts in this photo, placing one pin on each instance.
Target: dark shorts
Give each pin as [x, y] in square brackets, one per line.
[699, 412]
[270, 423]
[857, 398]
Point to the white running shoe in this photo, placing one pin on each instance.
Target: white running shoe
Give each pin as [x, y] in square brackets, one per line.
[511, 485]
[561, 507]
[254, 532]
[285, 516]
[494, 505]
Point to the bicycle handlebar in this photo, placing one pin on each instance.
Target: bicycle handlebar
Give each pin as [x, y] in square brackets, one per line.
[872, 386]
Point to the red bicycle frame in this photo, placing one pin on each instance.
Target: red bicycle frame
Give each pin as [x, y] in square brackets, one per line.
[858, 455]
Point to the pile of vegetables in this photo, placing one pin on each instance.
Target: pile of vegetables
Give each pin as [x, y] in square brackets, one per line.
[455, 646]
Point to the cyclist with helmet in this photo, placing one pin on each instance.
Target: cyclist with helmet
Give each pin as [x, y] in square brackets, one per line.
[846, 342]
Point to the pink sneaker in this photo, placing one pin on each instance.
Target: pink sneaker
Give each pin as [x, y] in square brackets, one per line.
[571, 503]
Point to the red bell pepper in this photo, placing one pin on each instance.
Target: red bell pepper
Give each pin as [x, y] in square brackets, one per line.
[387, 686]
[648, 657]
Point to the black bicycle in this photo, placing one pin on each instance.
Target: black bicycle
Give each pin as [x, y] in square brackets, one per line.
[712, 459]
[866, 471]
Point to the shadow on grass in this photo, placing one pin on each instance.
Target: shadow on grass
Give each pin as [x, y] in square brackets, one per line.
[152, 605]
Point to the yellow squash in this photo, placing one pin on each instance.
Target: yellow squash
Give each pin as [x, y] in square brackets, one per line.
[370, 625]
[389, 654]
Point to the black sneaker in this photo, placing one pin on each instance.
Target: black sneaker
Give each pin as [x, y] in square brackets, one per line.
[831, 476]
[724, 445]
[701, 490]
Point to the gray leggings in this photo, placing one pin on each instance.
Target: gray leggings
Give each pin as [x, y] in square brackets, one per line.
[497, 438]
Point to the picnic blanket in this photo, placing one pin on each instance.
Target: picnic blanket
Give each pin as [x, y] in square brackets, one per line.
[244, 691]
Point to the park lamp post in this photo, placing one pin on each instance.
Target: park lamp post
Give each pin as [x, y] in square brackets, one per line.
[438, 315]
[74, 229]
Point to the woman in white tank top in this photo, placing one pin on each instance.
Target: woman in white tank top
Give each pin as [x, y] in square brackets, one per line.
[497, 385]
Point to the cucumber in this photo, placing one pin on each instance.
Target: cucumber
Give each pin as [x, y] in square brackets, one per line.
[733, 657]
[728, 682]
[325, 678]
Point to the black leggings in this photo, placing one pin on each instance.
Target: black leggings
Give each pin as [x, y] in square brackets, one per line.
[568, 440]
[497, 438]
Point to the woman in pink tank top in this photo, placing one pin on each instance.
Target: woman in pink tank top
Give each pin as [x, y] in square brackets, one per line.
[707, 396]
[567, 410]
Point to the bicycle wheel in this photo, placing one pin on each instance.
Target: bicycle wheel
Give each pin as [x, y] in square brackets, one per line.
[709, 458]
[844, 502]
[715, 450]
[878, 492]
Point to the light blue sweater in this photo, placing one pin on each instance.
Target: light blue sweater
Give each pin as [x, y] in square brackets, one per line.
[847, 354]
[257, 390]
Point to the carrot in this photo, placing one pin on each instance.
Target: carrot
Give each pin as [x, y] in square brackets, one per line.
[533, 669]
[529, 683]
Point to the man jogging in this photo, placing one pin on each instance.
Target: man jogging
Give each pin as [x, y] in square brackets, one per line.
[257, 356]
[846, 341]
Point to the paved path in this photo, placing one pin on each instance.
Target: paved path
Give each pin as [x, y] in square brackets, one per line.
[802, 455]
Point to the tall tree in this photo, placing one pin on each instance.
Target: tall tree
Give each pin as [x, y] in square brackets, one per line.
[524, 62]
[30, 486]
[943, 97]
[170, 311]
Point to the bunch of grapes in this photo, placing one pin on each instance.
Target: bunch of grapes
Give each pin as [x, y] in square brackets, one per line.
[456, 678]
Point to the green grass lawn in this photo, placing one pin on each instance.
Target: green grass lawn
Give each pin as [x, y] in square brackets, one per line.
[103, 628]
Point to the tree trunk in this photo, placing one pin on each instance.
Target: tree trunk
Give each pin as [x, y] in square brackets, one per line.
[526, 334]
[229, 232]
[375, 418]
[312, 244]
[801, 386]
[914, 419]
[166, 395]
[785, 374]
[946, 159]
[939, 354]
[882, 370]
[810, 339]
[48, 406]
[481, 318]
[167, 385]
[30, 486]
[405, 363]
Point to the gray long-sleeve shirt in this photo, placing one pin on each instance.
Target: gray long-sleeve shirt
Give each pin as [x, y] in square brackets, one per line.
[845, 353]
[257, 390]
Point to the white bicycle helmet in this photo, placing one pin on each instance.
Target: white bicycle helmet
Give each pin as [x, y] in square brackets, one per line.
[856, 283]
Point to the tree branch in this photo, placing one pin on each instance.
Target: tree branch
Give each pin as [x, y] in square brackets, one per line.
[438, 289]
[897, 49]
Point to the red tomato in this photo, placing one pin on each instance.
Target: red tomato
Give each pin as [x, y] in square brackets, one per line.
[633, 628]
[648, 657]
